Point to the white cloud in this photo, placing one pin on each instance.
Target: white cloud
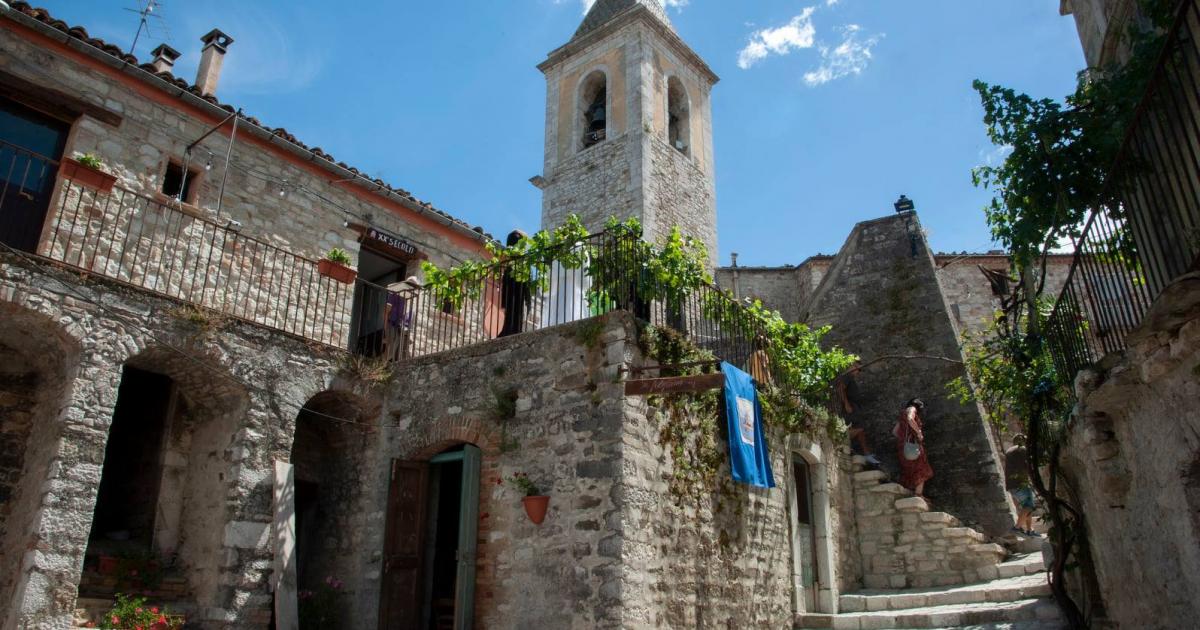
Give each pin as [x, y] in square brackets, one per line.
[830, 3]
[850, 57]
[796, 34]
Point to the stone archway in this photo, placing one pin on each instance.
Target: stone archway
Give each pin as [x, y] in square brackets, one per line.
[38, 362]
[332, 466]
[162, 506]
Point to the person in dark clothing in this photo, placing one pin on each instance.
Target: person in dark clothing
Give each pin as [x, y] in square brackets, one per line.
[846, 399]
[1017, 482]
[515, 295]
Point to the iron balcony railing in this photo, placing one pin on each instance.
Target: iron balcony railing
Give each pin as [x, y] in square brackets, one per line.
[168, 250]
[602, 273]
[1130, 250]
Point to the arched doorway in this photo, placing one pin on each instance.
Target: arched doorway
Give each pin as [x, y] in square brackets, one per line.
[329, 455]
[161, 509]
[429, 550]
[38, 362]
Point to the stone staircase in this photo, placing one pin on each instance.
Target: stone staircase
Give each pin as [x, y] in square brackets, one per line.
[905, 544]
[925, 569]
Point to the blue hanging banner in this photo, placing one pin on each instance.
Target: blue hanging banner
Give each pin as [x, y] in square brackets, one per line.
[748, 457]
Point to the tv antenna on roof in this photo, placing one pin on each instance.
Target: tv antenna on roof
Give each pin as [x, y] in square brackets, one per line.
[145, 12]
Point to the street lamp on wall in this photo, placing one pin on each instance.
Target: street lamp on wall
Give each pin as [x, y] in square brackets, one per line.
[904, 204]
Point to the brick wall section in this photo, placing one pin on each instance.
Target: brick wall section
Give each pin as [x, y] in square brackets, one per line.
[1133, 457]
[227, 509]
[882, 297]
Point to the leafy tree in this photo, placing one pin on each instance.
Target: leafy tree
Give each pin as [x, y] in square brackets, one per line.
[1060, 156]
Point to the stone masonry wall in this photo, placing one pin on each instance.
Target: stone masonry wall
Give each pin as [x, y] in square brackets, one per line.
[564, 433]
[882, 297]
[679, 194]
[1133, 459]
[228, 570]
[721, 561]
[969, 294]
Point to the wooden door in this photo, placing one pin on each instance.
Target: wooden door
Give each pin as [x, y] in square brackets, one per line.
[468, 532]
[402, 589]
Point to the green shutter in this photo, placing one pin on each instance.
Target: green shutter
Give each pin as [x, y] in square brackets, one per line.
[468, 534]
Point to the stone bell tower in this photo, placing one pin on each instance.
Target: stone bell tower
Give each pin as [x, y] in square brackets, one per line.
[629, 125]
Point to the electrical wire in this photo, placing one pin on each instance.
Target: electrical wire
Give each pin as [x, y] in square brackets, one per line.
[216, 369]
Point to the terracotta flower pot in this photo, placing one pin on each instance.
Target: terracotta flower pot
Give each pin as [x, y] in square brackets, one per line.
[336, 271]
[87, 176]
[108, 565]
[535, 507]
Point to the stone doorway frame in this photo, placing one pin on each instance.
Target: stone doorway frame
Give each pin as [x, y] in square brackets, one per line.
[814, 456]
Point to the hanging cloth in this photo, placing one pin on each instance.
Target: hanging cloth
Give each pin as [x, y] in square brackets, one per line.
[749, 460]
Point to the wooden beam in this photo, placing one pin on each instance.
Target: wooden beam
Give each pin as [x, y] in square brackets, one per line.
[674, 384]
[53, 102]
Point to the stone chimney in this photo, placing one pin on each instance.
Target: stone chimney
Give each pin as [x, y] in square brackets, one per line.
[164, 58]
[212, 56]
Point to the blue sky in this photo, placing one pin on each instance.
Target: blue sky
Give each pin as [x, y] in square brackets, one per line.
[825, 113]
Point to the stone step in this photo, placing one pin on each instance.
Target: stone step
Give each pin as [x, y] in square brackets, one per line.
[1001, 590]
[952, 615]
[912, 504]
[1022, 565]
[870, 477]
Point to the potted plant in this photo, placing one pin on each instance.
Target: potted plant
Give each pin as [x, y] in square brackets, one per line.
[534, 501]
[129, 613]
[336, 265]
[87, 170]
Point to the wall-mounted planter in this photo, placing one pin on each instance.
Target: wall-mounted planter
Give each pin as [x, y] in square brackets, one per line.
[87, 176]
[535, 508]
[336, 271]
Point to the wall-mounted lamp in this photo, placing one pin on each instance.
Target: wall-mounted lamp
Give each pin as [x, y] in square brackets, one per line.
[904, 204]
[539, 182]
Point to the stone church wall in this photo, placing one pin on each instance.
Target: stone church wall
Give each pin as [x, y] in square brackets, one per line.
[883, 299]
[679, 194]
[1133, 458]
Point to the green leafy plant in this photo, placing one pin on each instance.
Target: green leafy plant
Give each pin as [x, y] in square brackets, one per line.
[91, 161]
[524, 484]
[339, 256]
[1057, 168]
[130, 613]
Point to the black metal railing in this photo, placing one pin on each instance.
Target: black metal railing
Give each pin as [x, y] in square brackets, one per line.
[172, 251]
[1132, 248]
[602, 273]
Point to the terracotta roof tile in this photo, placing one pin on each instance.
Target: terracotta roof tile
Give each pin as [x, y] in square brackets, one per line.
[81, 34]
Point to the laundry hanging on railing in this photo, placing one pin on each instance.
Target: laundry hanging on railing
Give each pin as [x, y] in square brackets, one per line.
[749, 460]
[566, 295]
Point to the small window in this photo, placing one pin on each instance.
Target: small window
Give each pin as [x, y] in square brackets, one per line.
[593, 106]
[178, 185]
[678, 116]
